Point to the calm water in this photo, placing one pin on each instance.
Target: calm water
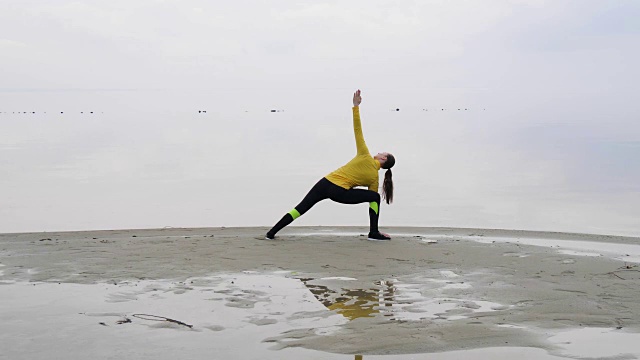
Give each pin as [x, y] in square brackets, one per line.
[150, 159]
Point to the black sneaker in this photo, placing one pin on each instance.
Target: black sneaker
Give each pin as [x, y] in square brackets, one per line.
[269, 237]
[378, 236]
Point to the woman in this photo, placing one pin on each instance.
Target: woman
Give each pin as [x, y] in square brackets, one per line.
[338, 186]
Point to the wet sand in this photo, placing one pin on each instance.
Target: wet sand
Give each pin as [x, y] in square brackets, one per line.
[429, 290]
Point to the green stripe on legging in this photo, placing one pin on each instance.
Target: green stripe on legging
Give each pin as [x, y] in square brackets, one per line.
[374, 206]
[294, 214]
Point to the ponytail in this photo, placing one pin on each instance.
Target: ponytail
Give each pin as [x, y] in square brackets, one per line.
[387, 187]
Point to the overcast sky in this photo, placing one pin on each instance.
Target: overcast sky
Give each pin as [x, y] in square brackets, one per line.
[558, 80]
[577, 45]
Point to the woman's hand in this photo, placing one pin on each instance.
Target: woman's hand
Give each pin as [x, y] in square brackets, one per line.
[357, 99]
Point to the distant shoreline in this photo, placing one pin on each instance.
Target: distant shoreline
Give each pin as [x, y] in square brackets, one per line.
[418, 230]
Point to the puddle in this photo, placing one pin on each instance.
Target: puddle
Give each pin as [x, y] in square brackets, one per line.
[231, 313]
[516, 254]
[519, 353]
[579, 253]
[338, 278]
[429, 241]
[622, 252]
[352, 303]
[231, 316]
[407, 299]
[598, 343]
[511, 326]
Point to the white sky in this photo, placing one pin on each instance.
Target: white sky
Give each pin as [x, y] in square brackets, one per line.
[558, 79]
[568, 45]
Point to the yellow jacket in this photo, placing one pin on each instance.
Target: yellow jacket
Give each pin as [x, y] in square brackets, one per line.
[362, 170]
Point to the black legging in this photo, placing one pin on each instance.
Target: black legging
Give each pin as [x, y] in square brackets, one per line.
[325, 189]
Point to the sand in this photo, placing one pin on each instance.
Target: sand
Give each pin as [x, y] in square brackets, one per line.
[320, 291]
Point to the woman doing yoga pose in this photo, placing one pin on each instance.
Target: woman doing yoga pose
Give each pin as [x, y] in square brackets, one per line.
[339, 185]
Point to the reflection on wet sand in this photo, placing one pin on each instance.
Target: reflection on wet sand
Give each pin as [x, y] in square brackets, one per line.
[354, 303]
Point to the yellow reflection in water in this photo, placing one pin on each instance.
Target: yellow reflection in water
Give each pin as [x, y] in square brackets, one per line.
[354, 304]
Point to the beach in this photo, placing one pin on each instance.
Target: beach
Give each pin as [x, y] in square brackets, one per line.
[147, 147]
[318, 292]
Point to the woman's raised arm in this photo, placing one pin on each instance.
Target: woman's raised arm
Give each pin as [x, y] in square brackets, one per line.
[361, 146]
